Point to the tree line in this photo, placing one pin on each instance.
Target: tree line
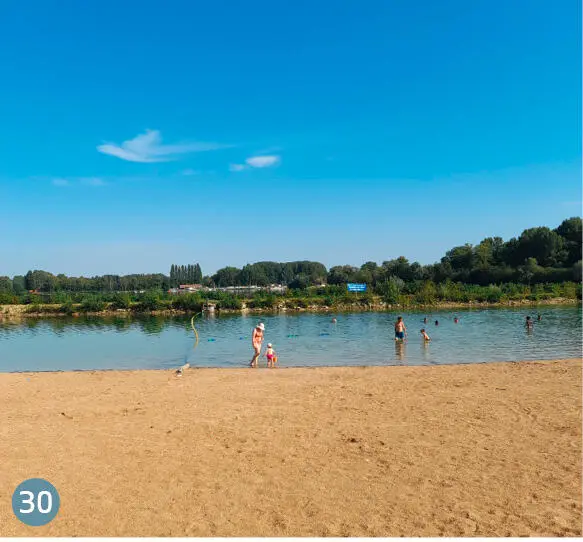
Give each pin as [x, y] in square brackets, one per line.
[185, 274]
[538, 255]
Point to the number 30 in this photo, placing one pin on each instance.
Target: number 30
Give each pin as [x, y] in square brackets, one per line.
[30, 501]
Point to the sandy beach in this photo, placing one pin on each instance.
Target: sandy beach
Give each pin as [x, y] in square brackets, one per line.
[461, 450]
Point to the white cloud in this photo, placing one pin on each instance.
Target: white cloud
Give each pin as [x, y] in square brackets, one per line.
[148, 147]
[263, 161]
[93, 181]
[61, 182]
[257, 162]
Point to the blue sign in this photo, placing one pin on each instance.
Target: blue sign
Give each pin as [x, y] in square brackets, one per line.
[354, 287]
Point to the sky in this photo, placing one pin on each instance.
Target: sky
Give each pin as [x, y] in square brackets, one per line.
[138, 134]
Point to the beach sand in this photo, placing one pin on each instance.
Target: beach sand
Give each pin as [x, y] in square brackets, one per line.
[460, 450]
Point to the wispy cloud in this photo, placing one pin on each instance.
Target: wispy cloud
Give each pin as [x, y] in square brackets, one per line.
[263, 161]
[86, 181]
[190, 172]
[148, 147]
[93, 181]
[257, 162]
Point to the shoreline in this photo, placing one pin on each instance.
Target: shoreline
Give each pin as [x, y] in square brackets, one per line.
[246, 368]
[489, 449]
[8, 312]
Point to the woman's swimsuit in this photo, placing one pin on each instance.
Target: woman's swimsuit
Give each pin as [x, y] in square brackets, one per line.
[257, 339]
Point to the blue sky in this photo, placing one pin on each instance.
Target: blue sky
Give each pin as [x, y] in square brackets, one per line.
[138, 134]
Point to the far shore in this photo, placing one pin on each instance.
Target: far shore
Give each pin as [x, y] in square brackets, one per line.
[490, 450]
[51, 310]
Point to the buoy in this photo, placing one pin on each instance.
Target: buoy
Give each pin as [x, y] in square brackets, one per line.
[322, 334]
[211, 340]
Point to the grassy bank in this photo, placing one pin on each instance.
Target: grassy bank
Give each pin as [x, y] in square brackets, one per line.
[447, 296]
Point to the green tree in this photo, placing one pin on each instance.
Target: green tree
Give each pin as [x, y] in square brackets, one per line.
[543, 244]
[571, 232]
[18, 284]
[342, 274]
[6, 285]
[529, 270]
[460, 258]
[197, 274]
[227, 276]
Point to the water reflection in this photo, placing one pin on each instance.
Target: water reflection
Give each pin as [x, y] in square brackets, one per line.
[425, 355]
[152, 324]
[400, 350]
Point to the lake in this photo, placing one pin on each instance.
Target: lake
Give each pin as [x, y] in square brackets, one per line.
[152, 342]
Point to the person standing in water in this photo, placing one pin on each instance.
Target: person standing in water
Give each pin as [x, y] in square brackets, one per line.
[529, 323]
[257, 341]
[400, 329]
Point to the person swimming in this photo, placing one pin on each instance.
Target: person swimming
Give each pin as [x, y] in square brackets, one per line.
[400, 329]
[436, 322]
[425, 320]
[539, 317]
[456, 320]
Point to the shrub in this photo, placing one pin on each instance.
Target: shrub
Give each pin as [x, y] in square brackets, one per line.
[150, 301]
[92, 304]
[34, 308]
[230, 302]
[390, 289]
[121, 301]
[427, 293]
[188, 302]
[66, 308]
[569, 290]
[8, 299]
[262, 301]
[297, 303]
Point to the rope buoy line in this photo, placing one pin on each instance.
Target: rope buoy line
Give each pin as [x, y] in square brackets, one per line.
[194, 329]
[180, 370]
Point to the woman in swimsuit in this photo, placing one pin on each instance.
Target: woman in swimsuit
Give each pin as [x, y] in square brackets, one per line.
[257, 341]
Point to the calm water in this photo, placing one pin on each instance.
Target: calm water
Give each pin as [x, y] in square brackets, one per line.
[300, 340]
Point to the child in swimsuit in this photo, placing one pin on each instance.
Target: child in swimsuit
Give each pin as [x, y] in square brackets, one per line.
[270, 355]
[424, 335]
